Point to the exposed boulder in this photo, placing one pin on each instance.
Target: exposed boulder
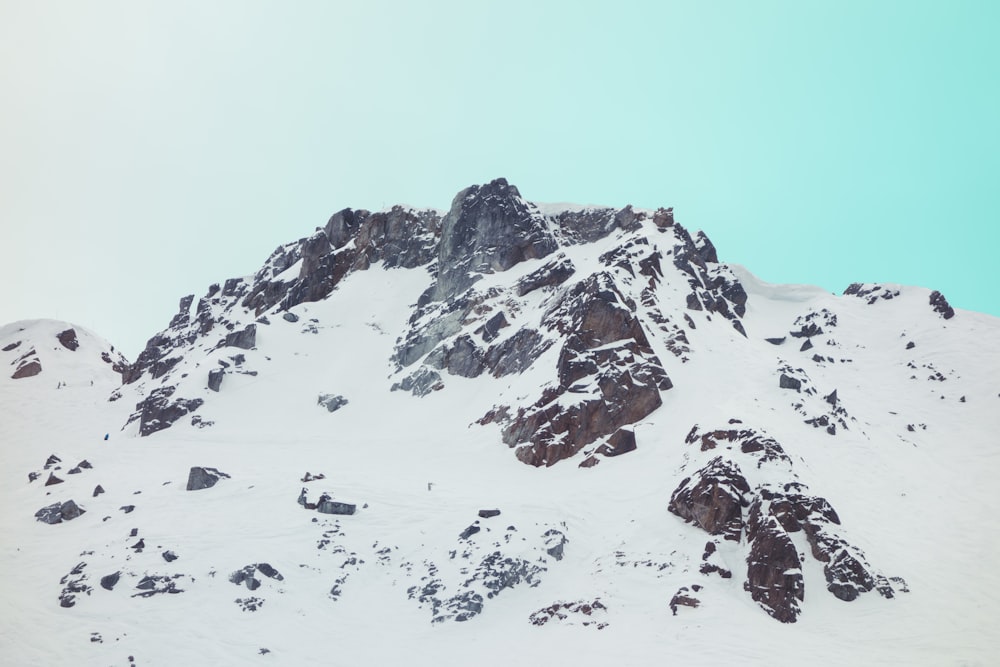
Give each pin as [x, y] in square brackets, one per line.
[332, 402]
[68, 339]
[788, 382]
[109, 581]
[244, 339]
[487, 514]
[27, 368]
[59, 512]
[215, 378]
[683, 599]
[204, 478]
[713, 499]
[327, 506]
[941, 305]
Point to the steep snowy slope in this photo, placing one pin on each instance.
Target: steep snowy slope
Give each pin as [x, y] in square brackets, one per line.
[681, 455]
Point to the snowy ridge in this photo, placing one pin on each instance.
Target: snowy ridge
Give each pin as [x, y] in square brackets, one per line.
[707, 455]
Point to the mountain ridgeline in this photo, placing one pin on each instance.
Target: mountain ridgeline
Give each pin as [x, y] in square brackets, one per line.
[580, 326]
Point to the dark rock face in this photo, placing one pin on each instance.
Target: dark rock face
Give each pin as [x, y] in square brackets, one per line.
[27, 368]
[605, 348]
[68, 339]
[713, 499]
[157, 411]
[169, 556]
[550, 274]
[98, 490]
[204, 478]
[469, 532]
[52, 480]
[487, 514]
[774, 571]
[109, 581]
[489, 228]
[11, 346]
[244, 339]
[941, 305]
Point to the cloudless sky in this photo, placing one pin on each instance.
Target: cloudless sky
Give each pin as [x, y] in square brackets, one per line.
[149, 149]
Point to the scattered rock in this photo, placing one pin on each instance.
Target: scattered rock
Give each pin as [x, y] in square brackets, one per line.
[333, 507]
[109, 581]
[204, 478]
[215, 378]
[681, 599]
[169, 556]
[469, 532]
[332, 402]
[486, 514]
[59, 512]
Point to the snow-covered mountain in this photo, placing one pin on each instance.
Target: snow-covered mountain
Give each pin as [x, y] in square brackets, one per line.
[506, 432]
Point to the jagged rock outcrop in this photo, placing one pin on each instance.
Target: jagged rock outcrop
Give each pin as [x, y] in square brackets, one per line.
[159, 410]
[941, 305]
[774, 571]
[332, 402]
[489, 228]
[713, 499]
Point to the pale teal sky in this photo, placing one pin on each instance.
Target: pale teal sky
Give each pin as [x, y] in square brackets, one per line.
[148, 149]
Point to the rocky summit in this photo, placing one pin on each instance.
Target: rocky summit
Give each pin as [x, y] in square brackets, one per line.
[507, 431]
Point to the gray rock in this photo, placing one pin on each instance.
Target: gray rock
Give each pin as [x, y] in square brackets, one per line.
[169, 556]
[941, 305]
[59, 512]
[204, 478]
[109, 581]
[215, 378]
[788, 382]
[469, 532]
[159, 410]
[550, 274]
[486, 514]
[290, 317]
[244, 339]
[332, 402]
[421, 382]
[489, 228]
[333, 507]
